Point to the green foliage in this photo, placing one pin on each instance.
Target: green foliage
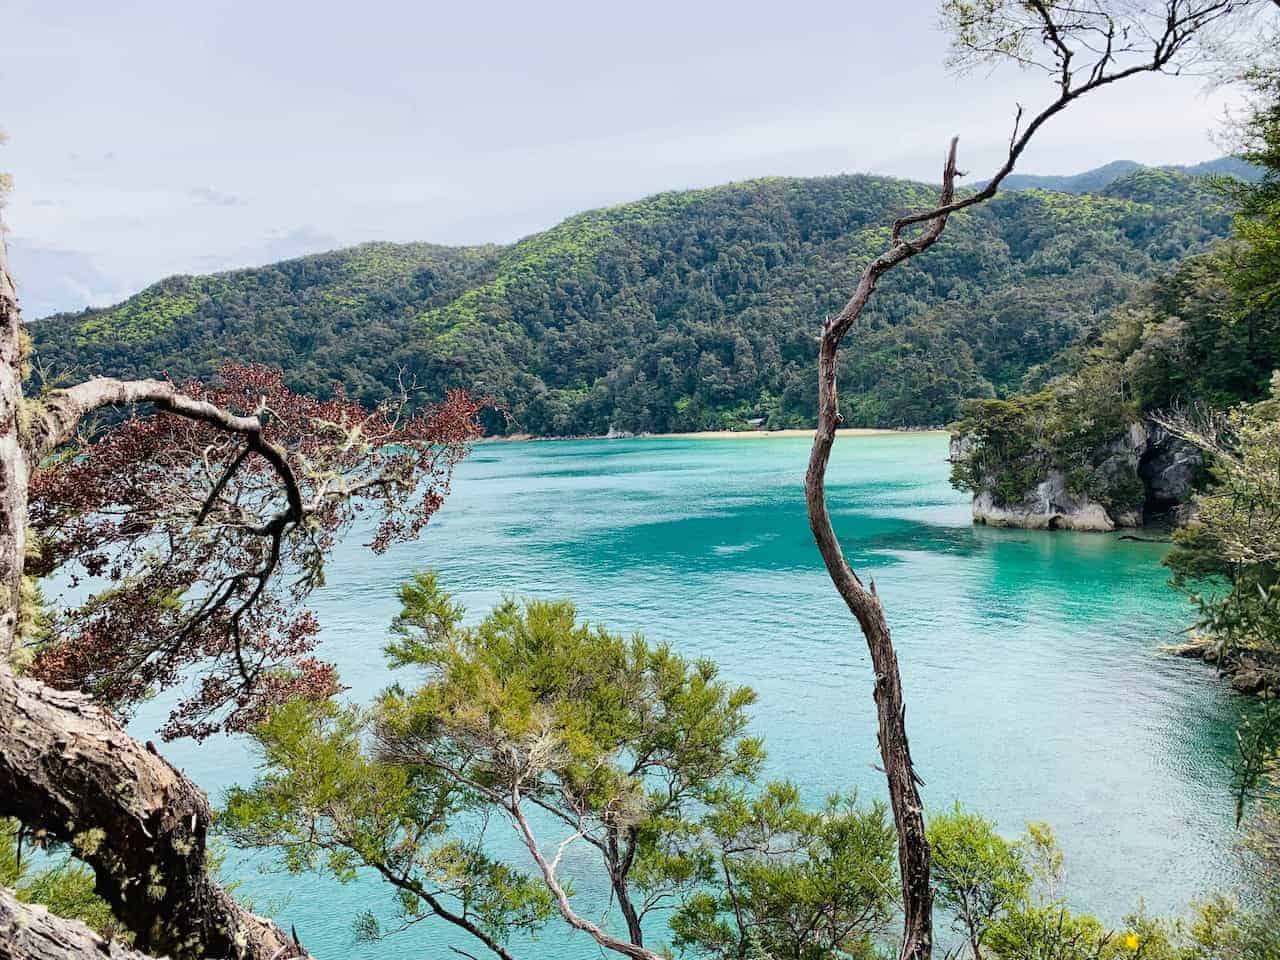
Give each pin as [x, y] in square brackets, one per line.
[572, 735]
[1207, 334]
[1256, 767]
[1010, 901]
[617, 723]
[683, 311]
[152, 313]
[1191, 339]
[323, 804]
[1012, 445]
[1227, 560]
[1258, 221]
[978, 875]
[1048, 933]
[792, 882]
[625, 740]
[61, 884]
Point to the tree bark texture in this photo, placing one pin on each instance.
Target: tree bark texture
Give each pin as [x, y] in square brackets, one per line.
[895, 752]
[67, 766]
[30, 932]
[14, 471]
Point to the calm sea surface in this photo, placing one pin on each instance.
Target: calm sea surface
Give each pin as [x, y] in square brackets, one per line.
[1035, 690]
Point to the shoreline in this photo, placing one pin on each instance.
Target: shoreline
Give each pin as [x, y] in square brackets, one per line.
[718, 434]
[1251, 673]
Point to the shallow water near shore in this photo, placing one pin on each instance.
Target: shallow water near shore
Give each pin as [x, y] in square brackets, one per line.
[1035, 688]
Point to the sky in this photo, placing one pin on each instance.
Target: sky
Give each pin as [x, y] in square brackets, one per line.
[153, 138]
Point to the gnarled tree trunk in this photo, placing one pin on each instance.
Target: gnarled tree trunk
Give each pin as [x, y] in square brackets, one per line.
[70, 768]
[895, 752]
[30, 932]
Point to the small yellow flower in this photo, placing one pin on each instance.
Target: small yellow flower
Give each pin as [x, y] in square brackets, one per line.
[1131, 941]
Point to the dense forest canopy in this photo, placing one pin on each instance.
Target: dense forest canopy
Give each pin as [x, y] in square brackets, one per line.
[688, 310]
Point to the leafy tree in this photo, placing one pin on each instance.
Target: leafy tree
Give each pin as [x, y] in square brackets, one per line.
[200, 579]
[324, 804]
[617, 739]
[571, 735]
[792, 882]
[1227, 558]
[1015, 896]
[978, 875]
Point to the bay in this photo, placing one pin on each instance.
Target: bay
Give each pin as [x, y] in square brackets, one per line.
[1035, 687]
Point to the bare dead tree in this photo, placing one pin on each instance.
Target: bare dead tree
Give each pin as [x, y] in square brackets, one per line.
[1083, 46]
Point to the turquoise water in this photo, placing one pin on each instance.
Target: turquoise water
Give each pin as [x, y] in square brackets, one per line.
[1034, 687]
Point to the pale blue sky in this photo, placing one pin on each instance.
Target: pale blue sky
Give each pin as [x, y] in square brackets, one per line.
[149, 138]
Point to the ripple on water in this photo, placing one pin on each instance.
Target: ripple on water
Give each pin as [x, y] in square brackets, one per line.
[1034, 692]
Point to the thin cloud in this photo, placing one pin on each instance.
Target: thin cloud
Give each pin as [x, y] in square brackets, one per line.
[209, 197]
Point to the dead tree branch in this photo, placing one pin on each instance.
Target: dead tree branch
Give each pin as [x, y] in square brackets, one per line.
[1084, 49]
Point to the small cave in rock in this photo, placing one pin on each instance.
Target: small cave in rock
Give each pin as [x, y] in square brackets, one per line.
[1155, 506]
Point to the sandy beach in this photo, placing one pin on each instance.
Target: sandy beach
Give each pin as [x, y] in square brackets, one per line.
[718, 435]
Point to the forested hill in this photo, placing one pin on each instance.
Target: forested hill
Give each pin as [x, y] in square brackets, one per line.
[683, 311]
[1101, 177]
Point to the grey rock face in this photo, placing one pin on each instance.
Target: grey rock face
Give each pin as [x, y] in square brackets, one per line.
[1048, 507]
[1169, 470]
[1146, 455]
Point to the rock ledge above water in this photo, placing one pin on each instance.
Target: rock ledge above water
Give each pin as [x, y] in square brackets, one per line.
[1144, 475]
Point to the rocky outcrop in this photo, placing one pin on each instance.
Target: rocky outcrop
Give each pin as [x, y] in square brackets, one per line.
[1145, 474]
[1048, 507]
[1250, 672]
[1169, 470]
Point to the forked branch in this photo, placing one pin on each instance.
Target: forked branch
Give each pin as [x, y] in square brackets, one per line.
[1084, 46]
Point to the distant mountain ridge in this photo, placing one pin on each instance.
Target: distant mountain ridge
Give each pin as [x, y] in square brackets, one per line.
[688, 310]
[1102, 177]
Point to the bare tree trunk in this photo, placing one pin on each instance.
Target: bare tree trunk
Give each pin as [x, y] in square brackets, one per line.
[30, 932]
[68, 767]
[895, 752]
[13, 463]
[1074, 77]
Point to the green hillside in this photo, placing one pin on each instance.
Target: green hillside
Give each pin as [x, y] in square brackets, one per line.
[1101, 177]
[683, 311]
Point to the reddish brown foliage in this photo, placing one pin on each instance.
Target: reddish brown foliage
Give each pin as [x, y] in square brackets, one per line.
[205, 544]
